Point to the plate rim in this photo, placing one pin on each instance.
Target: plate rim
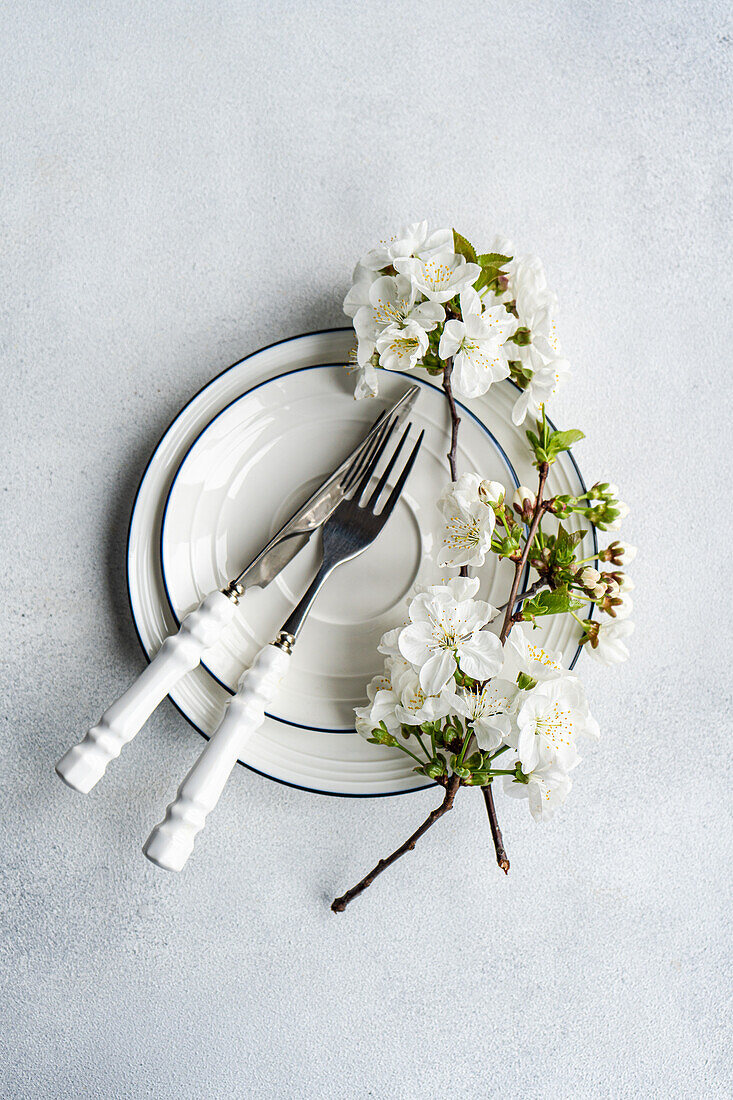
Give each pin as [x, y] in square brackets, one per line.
[265, 382]
[136, 497]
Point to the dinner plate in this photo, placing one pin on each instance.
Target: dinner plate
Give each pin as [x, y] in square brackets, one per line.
[250, 468]
[322, 759]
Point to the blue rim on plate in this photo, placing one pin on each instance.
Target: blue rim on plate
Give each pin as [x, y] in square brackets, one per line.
[247, 393]
[206, 736]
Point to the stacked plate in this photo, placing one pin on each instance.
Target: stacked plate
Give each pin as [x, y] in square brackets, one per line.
[233, 465]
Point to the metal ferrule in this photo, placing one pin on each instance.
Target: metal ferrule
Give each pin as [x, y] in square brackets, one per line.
[285, 641]
[233, 591]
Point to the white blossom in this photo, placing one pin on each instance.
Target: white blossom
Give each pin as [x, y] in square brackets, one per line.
[542, 385]
[358, 294]
[610, 641]
[477, 345]
[391, 301]
[523, 657]
[445, 633]
[547, 788]
[366, 384]
[440, 277]
[380, 708]
[549, 720]
[489, 710]
[469, 522]
[536, 308]
[401, 347]
[412, 240]
[414, 705]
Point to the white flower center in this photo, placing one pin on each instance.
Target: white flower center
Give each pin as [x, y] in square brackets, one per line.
[461, 533]
[556, 725]
[391, 312]
[437, 276]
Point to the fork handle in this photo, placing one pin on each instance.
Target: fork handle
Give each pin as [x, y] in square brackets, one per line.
[85, 764]
[171, 842]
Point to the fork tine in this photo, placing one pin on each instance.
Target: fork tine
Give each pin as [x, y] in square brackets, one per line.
[365, 474]
[394, 495]
[371, 503]
[354, 473]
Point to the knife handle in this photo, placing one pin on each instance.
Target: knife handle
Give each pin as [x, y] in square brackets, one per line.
[85, 764]
[171, 842]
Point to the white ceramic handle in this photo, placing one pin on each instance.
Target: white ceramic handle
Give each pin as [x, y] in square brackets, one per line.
[85, 764]
[171, 843]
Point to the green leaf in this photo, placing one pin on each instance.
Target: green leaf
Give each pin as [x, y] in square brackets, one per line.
[549, 602]
[464, 247]
[566, 541]
[563, 441]
[492, 259]
[381, 737]
[491, 264]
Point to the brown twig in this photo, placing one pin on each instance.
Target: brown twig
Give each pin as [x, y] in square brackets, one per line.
[540, 508]
[451, 786]
[501, 857]
[455, 420]
[526, 595]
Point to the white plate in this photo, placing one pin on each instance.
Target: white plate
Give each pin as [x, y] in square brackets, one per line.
[249, 470]
[328, 762]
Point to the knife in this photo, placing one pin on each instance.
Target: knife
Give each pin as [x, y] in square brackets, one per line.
[83, 765]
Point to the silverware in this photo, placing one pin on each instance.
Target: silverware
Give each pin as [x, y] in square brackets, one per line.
[353, 526]
[85, 764]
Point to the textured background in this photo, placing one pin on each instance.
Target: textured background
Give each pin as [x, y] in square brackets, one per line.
[181, 184]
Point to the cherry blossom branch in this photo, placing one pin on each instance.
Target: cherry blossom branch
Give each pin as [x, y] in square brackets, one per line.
[526, 595]
[540, 507]
[455, 420]
[451, 786]
[454, 417]
[501, 857]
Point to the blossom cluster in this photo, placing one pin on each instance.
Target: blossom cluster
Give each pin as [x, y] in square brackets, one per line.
[426, 298]
[453, 698]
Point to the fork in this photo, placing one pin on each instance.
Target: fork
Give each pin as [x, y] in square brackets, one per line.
[350, 530]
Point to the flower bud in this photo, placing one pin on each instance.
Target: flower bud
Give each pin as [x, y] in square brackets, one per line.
[492, 492]
[523, 502]
[592, 582]
[619, 553]
[622, 511]
[604, 490]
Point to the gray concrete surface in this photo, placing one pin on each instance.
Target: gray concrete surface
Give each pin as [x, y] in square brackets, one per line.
[181, 184]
